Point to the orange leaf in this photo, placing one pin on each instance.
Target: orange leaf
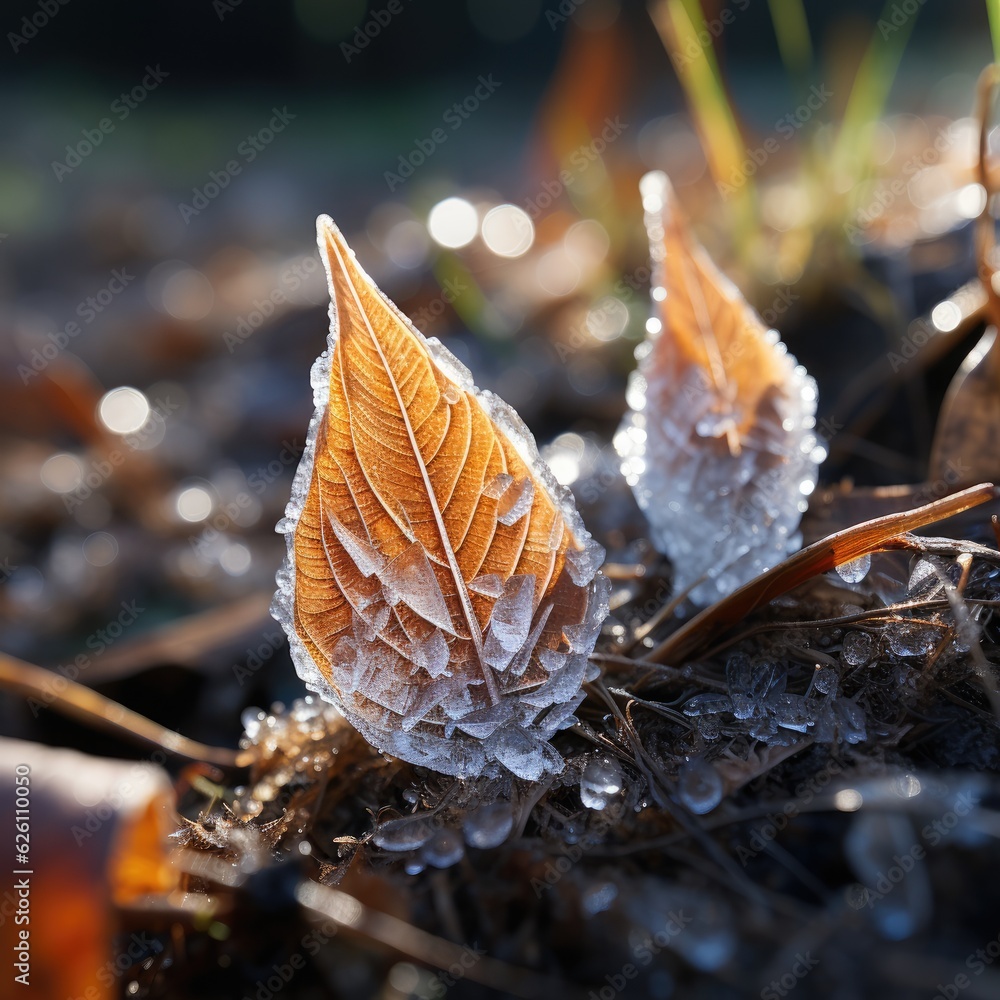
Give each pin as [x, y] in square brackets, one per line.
[718, 445]
[439, 587]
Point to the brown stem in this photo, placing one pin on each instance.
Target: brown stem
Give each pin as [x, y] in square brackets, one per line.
[87, 705]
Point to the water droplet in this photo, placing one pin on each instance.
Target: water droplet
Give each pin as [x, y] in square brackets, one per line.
[598, 897]
[601, 782]
[911, 640]
[489, 826]
[444, 849]
[825, 680]
[857, 649]
[405, 834]
[855, 570]
[699, 786]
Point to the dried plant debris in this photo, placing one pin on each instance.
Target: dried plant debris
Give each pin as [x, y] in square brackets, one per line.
[718, 444]
[440, 588]
[749, 807]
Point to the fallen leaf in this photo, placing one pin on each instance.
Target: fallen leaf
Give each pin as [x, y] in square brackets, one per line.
[440, 588]
[718, 445]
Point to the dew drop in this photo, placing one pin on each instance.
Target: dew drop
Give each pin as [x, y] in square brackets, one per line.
[699, 786]
[489, 826]
[855, 570]
[857, 649]
[601, 782]
[444, 849]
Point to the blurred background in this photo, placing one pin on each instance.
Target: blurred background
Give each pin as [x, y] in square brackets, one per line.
[161, 301]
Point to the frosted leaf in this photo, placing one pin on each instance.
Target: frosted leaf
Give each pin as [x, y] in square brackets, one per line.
[521, 753]
[387, 610]
[699, 786]
[489, 825]
[406, 834]
[518, 663]
[600, 782]
[727, 452]
[825, 728]
[584, 563]
[432, 653]
[489, 585]
[497, 486]
[444, 849]
[484, 722]
[510, 621]
[562, 684]
[855, 570]
[375, 616]
[857, 649]
[411, 577]
[559, 717]
[360, 550]
[515, 502]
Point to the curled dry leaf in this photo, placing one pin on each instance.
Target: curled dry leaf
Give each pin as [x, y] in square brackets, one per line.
[439, 588]
[718, 444]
